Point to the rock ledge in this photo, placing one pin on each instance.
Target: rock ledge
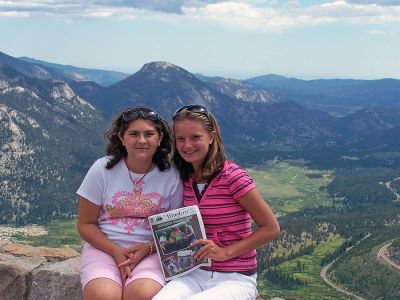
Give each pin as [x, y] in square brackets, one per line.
[38, 273]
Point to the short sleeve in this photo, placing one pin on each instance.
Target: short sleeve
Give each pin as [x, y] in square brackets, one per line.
[93, 184]
[176, 197]
[239, 183]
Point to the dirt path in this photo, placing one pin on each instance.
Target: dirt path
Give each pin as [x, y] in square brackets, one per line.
[382, 256]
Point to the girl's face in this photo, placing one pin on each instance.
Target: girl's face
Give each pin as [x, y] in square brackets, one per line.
[192, 141]
[141, 139]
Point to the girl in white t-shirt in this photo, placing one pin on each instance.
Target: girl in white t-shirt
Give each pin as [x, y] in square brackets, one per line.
[135, 180]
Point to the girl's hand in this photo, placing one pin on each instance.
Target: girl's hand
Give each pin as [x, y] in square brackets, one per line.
[209, 250]
[135, 254]
[120, 257]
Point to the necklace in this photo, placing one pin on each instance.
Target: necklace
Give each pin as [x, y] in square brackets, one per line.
[138, 181]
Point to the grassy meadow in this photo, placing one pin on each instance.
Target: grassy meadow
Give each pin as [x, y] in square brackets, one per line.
[59, 233]
[289, 186]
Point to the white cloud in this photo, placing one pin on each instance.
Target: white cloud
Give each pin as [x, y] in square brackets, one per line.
[251, 17]
[341, 10]
[377, 2]
[254, 15]
[11, 13]
[70, 9]
[245, 16]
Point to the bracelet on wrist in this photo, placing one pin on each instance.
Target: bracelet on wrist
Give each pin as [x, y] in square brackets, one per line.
[151, 246]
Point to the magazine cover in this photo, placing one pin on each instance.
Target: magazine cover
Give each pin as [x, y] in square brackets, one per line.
[173, 232]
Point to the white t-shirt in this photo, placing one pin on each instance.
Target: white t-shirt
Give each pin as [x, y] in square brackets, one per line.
[126, 206]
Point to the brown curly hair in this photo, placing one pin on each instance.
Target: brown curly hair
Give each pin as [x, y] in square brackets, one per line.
[120, 124]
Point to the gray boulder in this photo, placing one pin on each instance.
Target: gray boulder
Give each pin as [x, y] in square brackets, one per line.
[29, 273]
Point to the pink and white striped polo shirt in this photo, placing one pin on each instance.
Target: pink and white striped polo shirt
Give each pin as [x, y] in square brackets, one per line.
[225, 220]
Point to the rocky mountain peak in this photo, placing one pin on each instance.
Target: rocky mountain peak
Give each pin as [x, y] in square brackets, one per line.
[165, 71]
[160, 65]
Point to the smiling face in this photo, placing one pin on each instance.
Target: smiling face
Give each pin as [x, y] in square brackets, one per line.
[192, 141]
[141, 140]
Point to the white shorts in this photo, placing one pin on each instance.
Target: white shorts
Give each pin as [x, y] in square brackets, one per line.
[207, 285]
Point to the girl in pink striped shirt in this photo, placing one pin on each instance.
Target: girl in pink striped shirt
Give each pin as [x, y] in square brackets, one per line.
[228, 200]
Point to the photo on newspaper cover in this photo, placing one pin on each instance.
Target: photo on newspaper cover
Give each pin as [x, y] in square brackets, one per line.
[171, 265]
[174, 232]
[176, 237]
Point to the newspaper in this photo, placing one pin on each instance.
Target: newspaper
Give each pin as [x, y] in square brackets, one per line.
[174, 232]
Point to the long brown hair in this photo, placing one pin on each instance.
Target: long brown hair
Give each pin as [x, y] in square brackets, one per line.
[215, 158]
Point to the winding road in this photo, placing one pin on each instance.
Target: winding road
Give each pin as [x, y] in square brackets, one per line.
[324, 276]
[381, 256]
[336, 287]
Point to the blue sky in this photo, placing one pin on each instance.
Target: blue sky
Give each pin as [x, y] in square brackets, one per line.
[240, 39]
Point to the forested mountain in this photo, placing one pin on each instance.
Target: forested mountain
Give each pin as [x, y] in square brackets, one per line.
[368, 121]
[48, 138]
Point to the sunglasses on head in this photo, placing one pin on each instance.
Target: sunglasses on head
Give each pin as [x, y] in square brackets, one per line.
[139, 113]
[194, 108]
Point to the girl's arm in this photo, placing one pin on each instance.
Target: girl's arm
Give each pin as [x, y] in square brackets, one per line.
[87, 227]
[268, 229]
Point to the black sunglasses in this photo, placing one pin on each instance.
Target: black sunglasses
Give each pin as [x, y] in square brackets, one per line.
[139, 113]
[194, 108]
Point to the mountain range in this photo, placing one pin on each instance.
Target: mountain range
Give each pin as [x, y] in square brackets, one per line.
[342, 96]
[53, 122]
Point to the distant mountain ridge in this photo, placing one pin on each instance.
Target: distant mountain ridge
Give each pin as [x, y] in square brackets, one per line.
[166, 87]
[101, 77]
[239, 89]
[368, 120]
[158, 84]
[30, 69]
[350, 93]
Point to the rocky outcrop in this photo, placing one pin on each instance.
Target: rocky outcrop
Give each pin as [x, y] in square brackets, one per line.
[38, 273]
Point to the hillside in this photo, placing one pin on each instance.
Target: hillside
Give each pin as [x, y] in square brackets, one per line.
[48, 138]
